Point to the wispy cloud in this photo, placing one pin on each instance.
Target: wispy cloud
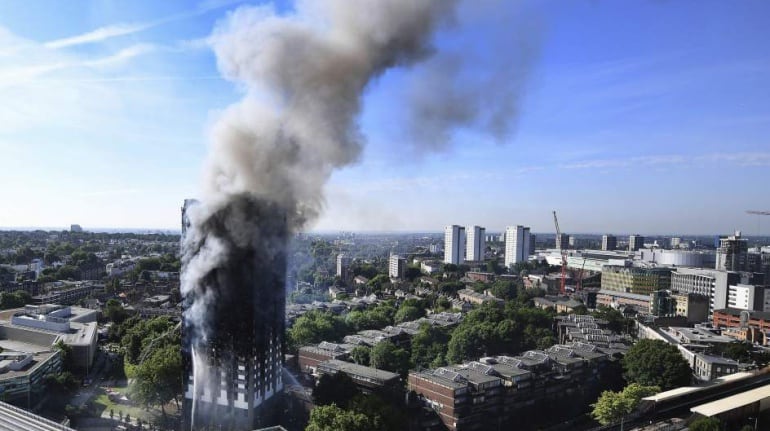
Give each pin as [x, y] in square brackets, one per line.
[739, 159]
[124, 29]
[99, 35]
[148, 78]
[122, 55]
[48, 66]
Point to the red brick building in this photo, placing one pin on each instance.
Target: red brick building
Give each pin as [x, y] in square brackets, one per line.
[731, 318]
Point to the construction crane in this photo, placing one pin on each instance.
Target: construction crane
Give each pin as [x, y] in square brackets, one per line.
[563, 253]
[580, 277]
[758, 213]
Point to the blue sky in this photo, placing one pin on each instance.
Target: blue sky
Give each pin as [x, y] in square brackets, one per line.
[636, 116]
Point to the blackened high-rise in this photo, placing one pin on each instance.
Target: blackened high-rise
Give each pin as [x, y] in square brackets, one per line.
[233, 320]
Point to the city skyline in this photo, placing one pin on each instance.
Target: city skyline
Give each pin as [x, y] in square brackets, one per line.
[111, 107]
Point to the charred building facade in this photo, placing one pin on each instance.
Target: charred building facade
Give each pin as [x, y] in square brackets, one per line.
[233, 319]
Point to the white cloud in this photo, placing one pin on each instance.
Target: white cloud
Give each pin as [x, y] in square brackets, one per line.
[680, 160]
[122, 56]
[116, 30]
[98, 35]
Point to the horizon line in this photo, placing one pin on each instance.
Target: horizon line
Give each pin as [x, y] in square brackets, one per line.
[341, 231]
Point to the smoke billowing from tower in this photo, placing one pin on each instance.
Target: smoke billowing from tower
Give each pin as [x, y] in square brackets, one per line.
[271, 153]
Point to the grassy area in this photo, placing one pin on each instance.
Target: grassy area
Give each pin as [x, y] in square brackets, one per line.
[101, 403]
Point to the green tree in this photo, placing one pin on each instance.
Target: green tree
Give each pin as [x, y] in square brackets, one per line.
[336, 389]
[705, 424]
[504, 289]
[656, 363]
[738, 351]
[443, 304]
[67, 360]
[429, 347]
[115, 312]
[314, 327]
[614, 318]
[364, 269]
[378, 317]
[68, 272]
[385, 416]
[412, 272]
[379, 282]
[15, 299]
[450, 287]
[159, 378]
[408, 313]
[494, 267]
[333, 418]
[470, 342]
[386, 356]
[60, 388]
[611, 406]
[361, 355]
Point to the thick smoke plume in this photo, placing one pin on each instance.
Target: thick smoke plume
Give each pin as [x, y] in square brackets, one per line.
[303, 76]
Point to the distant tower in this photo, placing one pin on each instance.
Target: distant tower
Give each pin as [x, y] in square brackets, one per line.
[574, 242]
[454, 244]
[396, 266]
[517, 244]
[635, 242]
[562, 241]
[733, 254]
[475, 243]
[532, 238]
[609, 242]
[675, 241]
[343, 266]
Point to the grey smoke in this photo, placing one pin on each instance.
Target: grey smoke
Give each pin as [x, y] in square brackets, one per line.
[303, 76]
[462, 88]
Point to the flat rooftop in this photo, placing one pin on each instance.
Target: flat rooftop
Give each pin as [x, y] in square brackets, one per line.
[717, 407]
[14, 419]
[697, 335]
[448, 378]
[38, 359]
[359, 370]
[688, 389]
[82, 335]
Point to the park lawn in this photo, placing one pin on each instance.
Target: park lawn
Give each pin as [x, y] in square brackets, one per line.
[102, 404]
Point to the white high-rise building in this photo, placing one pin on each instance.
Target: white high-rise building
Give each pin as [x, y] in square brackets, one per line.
[343, 265]
[746, 297]
[454, 244]
[396, 266]
[475, 243]
[517, 244]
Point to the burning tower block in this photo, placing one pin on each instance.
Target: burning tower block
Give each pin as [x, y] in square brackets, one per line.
[234, 268]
